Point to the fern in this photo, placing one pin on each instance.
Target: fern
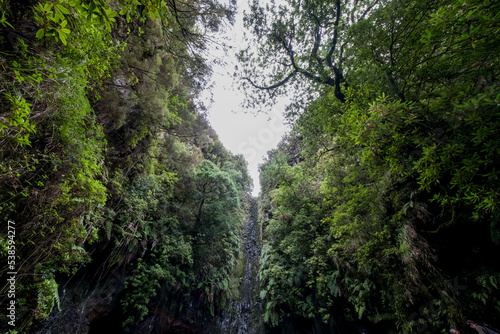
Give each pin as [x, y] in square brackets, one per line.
[48, 297]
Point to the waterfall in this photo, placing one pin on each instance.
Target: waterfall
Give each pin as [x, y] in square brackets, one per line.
[244, 315]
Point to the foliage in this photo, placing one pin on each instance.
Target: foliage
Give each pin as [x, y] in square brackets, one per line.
[168, 269]
[299, 42]
[17, 123]
[48, 297]
[196, 256]
[100, 133]
[368, 199]
[383, 197]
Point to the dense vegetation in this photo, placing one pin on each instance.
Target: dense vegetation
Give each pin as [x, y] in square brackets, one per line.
[107, 159]
[379, 210]
[382, 205]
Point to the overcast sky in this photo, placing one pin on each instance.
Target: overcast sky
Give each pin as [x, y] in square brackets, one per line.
[241, 132]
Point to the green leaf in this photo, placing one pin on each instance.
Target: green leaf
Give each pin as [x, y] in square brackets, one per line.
[361, 310]
[152, 14]
[62, 36]
[40, 33]
[62, 9]
[4, 22]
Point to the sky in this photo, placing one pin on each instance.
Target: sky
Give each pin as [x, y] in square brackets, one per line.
[241, 131]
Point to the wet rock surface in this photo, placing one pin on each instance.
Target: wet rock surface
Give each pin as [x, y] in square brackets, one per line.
[244, 315]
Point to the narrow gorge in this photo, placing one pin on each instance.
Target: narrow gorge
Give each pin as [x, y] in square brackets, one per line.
[123, 209]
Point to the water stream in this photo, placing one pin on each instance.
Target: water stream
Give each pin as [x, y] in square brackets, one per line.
[243, 315]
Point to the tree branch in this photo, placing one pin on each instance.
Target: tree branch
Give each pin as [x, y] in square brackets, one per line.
[368, 10]
[335, 35]
[281, 83]
[317, 39]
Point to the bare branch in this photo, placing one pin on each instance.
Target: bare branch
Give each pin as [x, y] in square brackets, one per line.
[281, 83]
[368, 10]
[317, 39]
